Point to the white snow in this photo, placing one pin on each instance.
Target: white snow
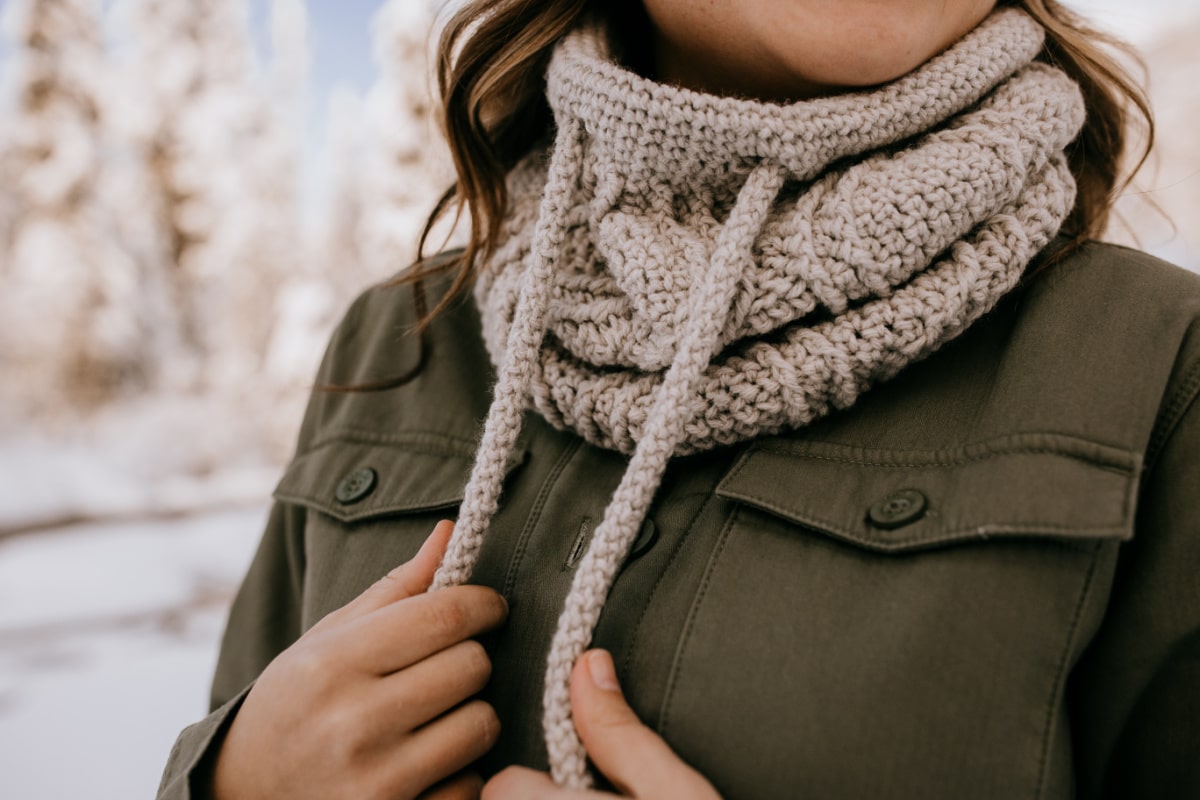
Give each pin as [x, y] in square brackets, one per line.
[93, 576]
[98, 718]
[108, 639]
[159, 454]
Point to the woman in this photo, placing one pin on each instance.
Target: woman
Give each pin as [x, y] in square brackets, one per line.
[814, 409]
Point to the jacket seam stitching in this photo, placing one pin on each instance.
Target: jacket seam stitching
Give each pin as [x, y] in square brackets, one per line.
[1177, 406]
[627, 662]
[1060, 674]
[693, 613]
[535, 513]
[955, 462]
[362, 513]
[991, 443]
[295, 540]
[451, 445]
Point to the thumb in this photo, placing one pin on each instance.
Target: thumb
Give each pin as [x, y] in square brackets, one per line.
[635, 758]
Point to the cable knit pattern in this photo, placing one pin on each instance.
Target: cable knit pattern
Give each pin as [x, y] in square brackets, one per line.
[679, 271]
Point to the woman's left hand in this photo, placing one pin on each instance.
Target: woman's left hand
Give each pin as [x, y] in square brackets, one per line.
[636, 759]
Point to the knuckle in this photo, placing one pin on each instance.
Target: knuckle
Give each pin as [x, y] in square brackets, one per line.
[383, 587]
[611, 717]
[344, 738]
[310, 665]
[447, 616]
[398, 579]
[384, 590]
[619, 719]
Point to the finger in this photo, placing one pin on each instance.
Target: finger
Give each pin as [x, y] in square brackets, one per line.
[412, 697]
[401, 634]
[636, 759]
[520, 783]
[443, 747]
[407, 580]
[463, 786]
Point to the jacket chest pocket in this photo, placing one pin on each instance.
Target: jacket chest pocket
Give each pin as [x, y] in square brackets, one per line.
[370, 503]
[898, 624]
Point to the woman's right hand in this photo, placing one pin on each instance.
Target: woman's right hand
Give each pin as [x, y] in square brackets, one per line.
[369, 702]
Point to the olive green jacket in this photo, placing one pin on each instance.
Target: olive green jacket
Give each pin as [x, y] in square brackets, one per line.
[982, 581]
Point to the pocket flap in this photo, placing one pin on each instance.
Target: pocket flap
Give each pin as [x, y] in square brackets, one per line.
[357, 476]
[893, 500]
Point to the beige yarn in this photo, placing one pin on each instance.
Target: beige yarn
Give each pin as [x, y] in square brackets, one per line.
[680, 271]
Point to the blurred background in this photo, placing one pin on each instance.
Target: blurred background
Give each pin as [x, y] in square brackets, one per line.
[191, 192]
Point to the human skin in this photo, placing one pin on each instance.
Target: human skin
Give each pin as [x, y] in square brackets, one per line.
[788, 50]
[372, 701]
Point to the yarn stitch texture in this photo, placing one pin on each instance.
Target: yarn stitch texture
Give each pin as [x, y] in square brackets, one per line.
[679, 271]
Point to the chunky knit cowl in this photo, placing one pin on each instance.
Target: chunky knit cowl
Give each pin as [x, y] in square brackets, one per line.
[679, 271]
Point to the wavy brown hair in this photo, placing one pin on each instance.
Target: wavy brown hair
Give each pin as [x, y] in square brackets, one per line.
[492, 56]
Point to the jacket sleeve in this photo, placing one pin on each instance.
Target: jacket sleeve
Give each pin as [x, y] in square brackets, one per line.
[371, 342]
[1137, 701]
[264, 621]
[266, 614]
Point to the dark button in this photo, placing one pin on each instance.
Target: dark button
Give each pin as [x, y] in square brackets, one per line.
[898, 509]
[647, 536]
[356, 486]
[645, 540]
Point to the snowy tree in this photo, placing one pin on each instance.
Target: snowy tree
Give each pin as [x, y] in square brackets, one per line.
[290, 58]
[51, 142]
[183, 79]
[221, 141]
[66, 330]
[311, 301]
[407, 166]
[342, 251]
[270, 251]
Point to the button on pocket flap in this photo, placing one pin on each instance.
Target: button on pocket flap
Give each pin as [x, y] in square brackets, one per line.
[354, 477]
[892, 500]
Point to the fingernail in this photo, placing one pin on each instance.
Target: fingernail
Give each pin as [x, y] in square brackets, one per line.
[604, 674]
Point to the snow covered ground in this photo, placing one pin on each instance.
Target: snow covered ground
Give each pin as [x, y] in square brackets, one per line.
[108, 637]
[123, 536]
[154, 454]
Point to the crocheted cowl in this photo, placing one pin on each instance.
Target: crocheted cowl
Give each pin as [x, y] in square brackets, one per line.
[679, 271]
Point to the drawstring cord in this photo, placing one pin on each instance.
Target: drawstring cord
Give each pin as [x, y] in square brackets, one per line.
[503, 424]
[672, 410]
[708, 306]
